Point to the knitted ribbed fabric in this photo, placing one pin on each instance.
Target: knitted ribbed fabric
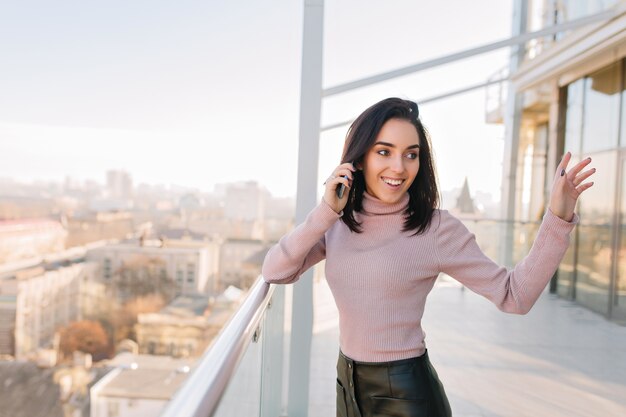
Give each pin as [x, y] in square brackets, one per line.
[380, 278]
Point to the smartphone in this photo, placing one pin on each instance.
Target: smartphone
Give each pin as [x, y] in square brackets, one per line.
[341, 188]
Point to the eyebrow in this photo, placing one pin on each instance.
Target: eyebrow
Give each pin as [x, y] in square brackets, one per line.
[391, 145]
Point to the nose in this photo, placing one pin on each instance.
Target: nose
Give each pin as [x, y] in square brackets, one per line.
[397, 165]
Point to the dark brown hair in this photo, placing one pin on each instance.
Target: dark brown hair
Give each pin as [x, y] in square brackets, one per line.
[423, 192]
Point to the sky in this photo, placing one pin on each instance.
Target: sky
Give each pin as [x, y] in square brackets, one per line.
[200, 92]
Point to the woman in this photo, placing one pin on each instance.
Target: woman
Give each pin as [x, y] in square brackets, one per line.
[385, 242]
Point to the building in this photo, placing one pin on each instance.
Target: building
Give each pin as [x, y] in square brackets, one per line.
[36, 300]
[465, 203]
[25, 205]
[178, 266]
[237, 264]
[567, 95]
[245, 200]
[119, 185]
[17, 396]
[186, 326]
[138, 385]
[180, 330]
[27, 238]
[99, 226]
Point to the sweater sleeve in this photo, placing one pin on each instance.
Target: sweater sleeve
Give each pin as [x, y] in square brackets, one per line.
[512, 291]
[301, 248]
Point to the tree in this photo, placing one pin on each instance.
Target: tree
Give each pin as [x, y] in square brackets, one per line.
[85, 336]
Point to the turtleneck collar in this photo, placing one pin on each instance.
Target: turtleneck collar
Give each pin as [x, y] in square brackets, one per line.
[372, 205]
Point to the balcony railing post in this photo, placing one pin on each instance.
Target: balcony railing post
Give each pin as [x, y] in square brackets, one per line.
[308, 160]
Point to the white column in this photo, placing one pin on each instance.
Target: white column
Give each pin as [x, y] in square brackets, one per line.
[512, 122]
[308, 156]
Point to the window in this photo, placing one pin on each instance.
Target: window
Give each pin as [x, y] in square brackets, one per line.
[107, 268]
[574, 116]
[191, 269]
[601, 109]
[595, 237]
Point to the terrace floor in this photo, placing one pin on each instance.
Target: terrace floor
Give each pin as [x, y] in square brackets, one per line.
[559, 360]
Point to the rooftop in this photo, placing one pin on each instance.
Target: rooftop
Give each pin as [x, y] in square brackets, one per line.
[159, 384]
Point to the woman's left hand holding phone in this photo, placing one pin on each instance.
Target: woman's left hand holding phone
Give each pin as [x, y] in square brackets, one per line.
[341, 175]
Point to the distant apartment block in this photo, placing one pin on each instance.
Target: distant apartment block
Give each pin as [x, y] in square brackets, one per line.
[24, 207]
[223, 227]
[27, 238]
[119, 184]
[118, 195]
[245, 200]
[99, 226]
[184, 328]
[189, 265]
[139, 385]
[35, 301]
[239, 261]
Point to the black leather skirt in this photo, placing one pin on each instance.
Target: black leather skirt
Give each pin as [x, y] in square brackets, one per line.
[403, 388]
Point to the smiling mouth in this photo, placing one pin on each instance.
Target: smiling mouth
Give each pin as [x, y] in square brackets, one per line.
[392, 182]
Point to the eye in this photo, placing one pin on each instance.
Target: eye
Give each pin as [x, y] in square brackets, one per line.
[383, 152]
[412, 155]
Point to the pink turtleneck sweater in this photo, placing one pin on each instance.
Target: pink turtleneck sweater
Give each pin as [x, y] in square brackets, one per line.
[380, 278]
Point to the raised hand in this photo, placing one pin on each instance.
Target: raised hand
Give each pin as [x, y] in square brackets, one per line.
[568, 186]
[341, 175]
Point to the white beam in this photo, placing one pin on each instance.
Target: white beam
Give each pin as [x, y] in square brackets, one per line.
[429, 99]
[515, 40]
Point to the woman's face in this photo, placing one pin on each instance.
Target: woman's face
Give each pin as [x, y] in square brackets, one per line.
[391, 164]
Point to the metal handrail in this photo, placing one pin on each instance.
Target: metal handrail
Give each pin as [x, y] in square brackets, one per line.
[201, 393]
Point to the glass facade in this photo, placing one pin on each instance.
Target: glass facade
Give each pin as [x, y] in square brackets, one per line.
[575, 9]
[593, 271]
[595, 236]
[619, 298]
[545, 13]
[601, 109]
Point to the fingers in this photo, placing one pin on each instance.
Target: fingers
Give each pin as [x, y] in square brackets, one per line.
[583, 187]
[573, 173]
[563, 164]
[344, 170]
[333, 195]
[347, 182]
[582, 177]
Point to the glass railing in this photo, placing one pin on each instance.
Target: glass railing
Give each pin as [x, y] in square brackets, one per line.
[240, 373]
[490, 235]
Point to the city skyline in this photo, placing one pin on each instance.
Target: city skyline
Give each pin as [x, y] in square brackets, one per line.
[78, 183]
